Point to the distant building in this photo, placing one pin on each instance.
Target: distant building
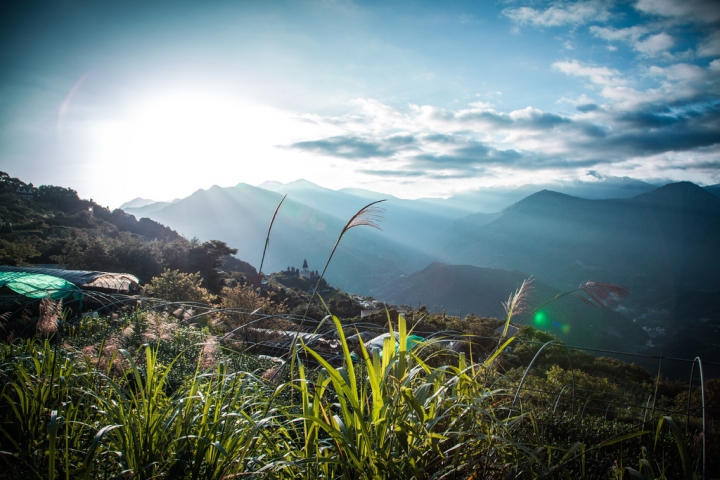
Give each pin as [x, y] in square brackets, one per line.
[305, 272]
[26, 192]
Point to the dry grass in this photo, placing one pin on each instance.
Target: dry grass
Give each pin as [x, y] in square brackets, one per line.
[50, 314]
[208, 354]
[601, 294]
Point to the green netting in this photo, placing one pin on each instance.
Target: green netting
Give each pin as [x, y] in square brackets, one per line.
[35, 285]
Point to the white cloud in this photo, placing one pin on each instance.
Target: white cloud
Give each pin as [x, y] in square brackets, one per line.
[581, 100]
[481, 142]
[630, 34]
[560, 14]
[678, 83]
[650, 45]
[680, 72]
[599, 75]
[482, 105]
[655, 44]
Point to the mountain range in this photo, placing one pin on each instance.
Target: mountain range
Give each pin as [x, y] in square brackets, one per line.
[661, 241]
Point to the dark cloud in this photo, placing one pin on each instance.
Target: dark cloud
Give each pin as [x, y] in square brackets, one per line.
[648, 129]
[588, 107]
[394, 173]
[354, 147]
[349, 147]
[645, 132]
[469, 156]
[535, 119]
[546, 120]
[477, 155]
[705, 165]
[400, 140]
[649, 119]
[665, 140]
[440, 138]
[477, 116]
[594, 131]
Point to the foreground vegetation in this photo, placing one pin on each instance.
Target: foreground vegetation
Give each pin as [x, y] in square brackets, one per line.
[142, 396]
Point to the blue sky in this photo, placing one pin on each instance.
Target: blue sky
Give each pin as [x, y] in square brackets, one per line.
[157, 99]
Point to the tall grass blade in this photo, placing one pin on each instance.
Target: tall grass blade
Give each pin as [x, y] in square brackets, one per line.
[267, 237]
[52, 450]
[681, 446]
[369, 216]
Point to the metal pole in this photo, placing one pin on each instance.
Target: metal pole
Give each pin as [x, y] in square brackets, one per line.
[702, 397]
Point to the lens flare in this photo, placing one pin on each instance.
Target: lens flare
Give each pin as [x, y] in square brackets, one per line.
[541, 319]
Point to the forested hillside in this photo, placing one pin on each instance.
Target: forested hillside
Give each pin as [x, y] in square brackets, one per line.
[52, 225]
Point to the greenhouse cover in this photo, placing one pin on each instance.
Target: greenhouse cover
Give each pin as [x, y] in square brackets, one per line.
[38, 285]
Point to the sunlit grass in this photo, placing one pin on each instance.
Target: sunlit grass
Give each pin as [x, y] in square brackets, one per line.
[390, 414]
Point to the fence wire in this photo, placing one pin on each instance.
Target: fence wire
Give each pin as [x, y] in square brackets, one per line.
[275, 335]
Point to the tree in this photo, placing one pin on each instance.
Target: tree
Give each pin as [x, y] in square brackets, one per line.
[175, 286]
[131, 254]
[206, 258]
[97, 256]
[17, 253]
[10, 183]
[65, 199]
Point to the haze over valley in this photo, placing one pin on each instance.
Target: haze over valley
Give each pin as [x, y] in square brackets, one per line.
[663, 243]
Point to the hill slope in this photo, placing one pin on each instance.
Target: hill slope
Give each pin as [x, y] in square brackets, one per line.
[664, 241]
[52, 225]
[465, 289]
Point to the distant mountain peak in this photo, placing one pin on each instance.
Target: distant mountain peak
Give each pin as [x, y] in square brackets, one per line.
[299, 184]
[544, 199]
[679, 194]
[269, 185]
[137, 203]
[547, 194]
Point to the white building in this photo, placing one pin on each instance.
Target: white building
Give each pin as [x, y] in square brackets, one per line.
[305, 272]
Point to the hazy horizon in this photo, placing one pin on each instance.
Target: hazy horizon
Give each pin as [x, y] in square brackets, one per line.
[414, 99]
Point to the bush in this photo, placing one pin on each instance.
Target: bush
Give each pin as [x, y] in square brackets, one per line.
[245, 297]
[175, 286]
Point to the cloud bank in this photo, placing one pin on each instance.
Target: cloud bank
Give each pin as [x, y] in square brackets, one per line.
[672, 126]
[657, 118]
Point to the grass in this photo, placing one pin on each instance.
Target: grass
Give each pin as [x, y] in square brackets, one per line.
[132, 398]
[65, 414]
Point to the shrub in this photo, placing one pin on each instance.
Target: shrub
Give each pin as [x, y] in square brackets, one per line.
[245, 297]
[175, 286]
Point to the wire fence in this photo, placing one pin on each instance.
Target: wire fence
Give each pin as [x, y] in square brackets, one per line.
[275, 335]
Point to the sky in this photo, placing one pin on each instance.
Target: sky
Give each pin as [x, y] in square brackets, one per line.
[157, 99]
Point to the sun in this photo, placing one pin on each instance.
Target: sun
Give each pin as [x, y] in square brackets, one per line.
[181, 140]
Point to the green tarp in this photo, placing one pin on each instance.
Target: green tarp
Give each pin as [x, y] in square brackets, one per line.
[36, 285]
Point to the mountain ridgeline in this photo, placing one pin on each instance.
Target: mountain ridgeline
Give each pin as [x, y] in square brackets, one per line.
[662, 243]
[665, 241]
